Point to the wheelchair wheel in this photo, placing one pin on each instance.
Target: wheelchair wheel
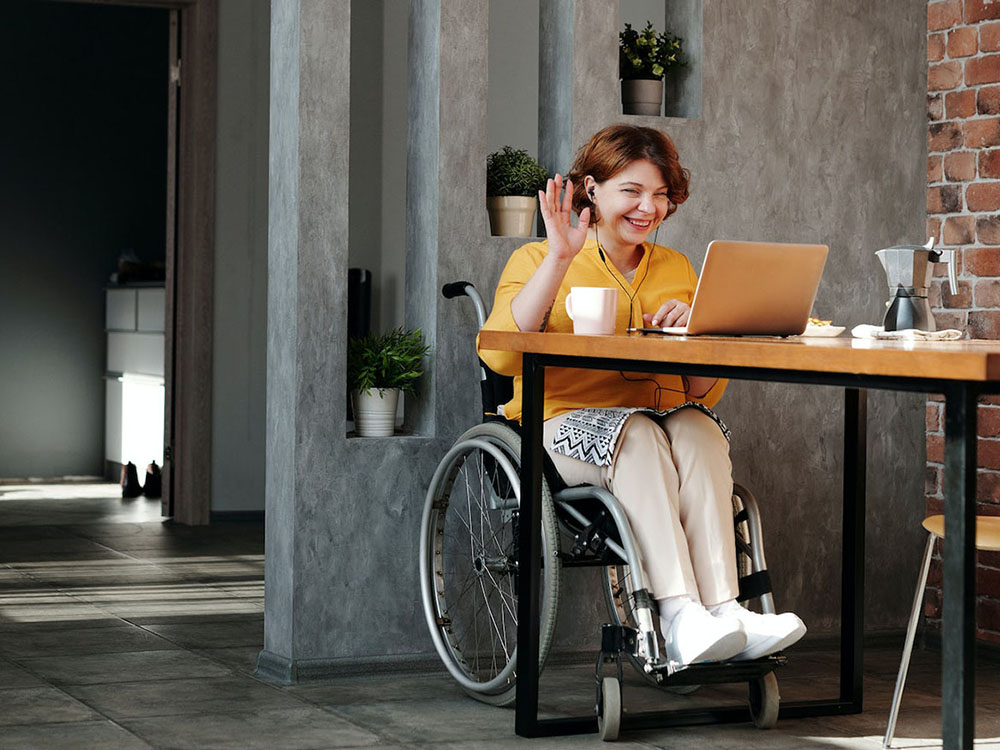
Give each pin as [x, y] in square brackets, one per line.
[468, 562]
[764, 700]
[621, 608]
[609, 709]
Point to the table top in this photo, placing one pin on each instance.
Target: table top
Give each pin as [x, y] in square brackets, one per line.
[975, 360]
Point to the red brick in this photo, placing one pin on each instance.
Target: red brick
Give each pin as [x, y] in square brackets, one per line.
[988, 420]
[933, 227]
[943, 15]
[982, 133]
[989, 163]
[963, 42]
[985, 69]
[989, 400]
[935, 107]
[950, 319]
[944, 76]
[983, 196]
[959, 104]
[988, 487]
[981, 10]
[935, 47]
[988, 582]
[946, 199]
[985, 324]
[987, 100]
[985, 635]
[935, 449]
[987, 293]
[943, 298]
[935, 505]
[932, 480]
[983, 509]
[934, 171]
[959, 230]
[991, 559]
[989, 37]
[960, 166]
[982, 261]
[933, 417]
[945, 136]
[988, 614]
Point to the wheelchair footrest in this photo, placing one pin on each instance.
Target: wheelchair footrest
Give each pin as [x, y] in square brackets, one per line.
[717, 672]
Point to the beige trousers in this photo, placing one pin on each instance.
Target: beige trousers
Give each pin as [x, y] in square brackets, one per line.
[674, 480]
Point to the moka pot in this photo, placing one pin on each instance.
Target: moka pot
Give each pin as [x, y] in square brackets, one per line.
[908, 269]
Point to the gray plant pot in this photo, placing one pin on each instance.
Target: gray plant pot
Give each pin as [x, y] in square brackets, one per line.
[641, 96]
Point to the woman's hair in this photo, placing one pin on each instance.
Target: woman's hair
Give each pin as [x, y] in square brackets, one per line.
[612, 149]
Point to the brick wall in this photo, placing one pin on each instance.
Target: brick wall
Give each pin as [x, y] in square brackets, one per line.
[963, 211]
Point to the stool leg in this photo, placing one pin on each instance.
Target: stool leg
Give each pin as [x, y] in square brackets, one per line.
[911, 630]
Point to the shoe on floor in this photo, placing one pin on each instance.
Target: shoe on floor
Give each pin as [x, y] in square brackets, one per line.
[694, 635]
[130, 481]
[766, 634]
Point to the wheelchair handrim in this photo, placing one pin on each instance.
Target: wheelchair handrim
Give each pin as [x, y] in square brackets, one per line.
[450, 653]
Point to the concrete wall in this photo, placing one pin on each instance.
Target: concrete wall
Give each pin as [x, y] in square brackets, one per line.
[792, 145]
[82, 178]
[240, 309]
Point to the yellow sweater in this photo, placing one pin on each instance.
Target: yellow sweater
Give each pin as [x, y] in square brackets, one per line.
[662, 274]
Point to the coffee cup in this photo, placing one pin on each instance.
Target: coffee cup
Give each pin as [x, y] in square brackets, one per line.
[592, 309]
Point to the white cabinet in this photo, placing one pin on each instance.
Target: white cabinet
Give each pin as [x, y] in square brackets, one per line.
[134, 389]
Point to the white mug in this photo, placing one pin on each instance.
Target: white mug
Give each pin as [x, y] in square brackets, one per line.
[592, 309]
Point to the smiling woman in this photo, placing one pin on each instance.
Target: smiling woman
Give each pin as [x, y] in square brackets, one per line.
[652, 440]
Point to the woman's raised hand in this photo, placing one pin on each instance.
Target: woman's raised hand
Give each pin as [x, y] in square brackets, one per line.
[565, 240]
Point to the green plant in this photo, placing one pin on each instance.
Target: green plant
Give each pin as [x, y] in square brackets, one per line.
[389, 360]
[511, 171]
[649, 53]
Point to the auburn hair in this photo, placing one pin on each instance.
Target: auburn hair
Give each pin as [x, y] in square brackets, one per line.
[612, 149]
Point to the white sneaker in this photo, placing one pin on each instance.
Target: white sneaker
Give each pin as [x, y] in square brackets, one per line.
[766, 634]
[694, 635]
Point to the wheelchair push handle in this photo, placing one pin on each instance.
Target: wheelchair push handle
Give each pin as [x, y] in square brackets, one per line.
[458, 288]
[455, 289]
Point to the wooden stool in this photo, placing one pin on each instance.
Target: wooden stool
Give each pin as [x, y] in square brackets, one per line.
[987, 538]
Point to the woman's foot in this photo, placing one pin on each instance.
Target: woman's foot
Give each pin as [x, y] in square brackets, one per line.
[694, 635]
[766, 634]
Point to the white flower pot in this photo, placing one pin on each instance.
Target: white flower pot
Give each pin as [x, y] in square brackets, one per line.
[375, 412]
[512, 215]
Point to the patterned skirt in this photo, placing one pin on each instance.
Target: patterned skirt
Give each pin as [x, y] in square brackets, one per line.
[591, 434]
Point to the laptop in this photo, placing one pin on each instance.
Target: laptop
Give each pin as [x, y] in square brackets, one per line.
[755, 289]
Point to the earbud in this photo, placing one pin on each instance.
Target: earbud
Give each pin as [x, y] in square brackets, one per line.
[591, 194]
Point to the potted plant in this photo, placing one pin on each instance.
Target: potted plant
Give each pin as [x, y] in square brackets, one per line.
[513, 179]
[378, 368]
[643, 59]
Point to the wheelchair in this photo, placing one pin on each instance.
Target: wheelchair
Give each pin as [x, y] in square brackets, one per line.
[468, 570]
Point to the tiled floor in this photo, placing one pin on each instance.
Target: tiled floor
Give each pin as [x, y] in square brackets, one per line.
[119, 631]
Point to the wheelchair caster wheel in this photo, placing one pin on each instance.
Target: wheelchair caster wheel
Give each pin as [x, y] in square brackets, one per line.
[609, 710]
[764, 700]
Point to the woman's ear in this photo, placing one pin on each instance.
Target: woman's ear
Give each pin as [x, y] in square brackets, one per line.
[589, 183]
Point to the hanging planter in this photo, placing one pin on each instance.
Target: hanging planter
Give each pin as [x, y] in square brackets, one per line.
[643, 59]
[513, 179]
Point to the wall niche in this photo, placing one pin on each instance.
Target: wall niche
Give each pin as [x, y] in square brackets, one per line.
[680, 18]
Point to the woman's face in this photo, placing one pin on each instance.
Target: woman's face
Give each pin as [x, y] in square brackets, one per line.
[631, 204]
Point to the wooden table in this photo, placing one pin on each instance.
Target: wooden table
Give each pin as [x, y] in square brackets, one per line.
[961, 370]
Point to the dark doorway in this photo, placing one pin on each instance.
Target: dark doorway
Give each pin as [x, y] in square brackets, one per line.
[83, 179]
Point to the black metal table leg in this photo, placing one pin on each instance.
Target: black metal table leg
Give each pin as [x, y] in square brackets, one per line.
[852, 585]
[958, 631]
[529, 573]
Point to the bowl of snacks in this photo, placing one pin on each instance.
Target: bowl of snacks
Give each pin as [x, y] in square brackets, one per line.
[817, 327]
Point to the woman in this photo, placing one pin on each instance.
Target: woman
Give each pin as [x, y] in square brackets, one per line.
[652, 440]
